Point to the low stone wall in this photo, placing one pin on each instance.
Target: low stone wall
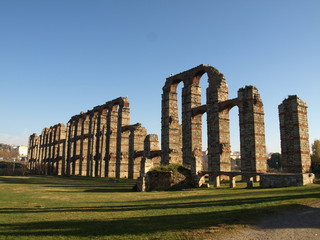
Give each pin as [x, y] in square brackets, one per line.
[286, 179]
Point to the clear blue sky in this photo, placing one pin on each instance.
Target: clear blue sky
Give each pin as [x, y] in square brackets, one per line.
[58, 58]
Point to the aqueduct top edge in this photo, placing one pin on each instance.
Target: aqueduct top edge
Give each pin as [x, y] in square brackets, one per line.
[193, 75]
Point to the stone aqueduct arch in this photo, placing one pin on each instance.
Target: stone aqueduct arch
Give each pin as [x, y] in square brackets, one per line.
[182, 143]
[100, 142]
[103, 143]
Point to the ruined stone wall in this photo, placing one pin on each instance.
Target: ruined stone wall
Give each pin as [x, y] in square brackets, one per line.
[46, 152]
[217, 107]
[102, 143]
[171, 131]
[98, 143]
[33, 150]
[192, 110]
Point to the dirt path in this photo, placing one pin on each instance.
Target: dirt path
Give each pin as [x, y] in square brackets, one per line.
[298, 225]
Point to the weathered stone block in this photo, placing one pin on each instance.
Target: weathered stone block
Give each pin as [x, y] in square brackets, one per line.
[286, 179]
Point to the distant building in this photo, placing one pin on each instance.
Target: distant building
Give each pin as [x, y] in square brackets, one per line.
[23, 151]
[235, 155]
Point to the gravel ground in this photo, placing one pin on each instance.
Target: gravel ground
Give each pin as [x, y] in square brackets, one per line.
[304, 223]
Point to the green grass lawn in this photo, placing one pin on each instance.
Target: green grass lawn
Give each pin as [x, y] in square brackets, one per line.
[92, 208]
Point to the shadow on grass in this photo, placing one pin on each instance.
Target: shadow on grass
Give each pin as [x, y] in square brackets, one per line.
[290, 192]
[137, 225]
[84, 184]
[214, 204]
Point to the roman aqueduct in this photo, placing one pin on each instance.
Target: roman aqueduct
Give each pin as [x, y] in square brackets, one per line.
[102, 143]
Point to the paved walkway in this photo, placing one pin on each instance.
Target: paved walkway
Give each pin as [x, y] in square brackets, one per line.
[303, 224]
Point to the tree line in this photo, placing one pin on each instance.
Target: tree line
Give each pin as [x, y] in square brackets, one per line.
[274, 162]
[8, 152]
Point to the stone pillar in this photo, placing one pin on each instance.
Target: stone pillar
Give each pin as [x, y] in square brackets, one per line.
[54, 148]
[122, 157]
[137, 139]
[216, 181]
[46, 152]
[103, 152]
[68, 149]
[191, 126]
[78, 145]
[171, 136]
[51, 150]
[111, 142]
[42, 152]
[97, 143]
[74, 148]
[62, 150]
[37, 152]
[249, 182]
[252, 134]
[294, 132]
[46, 156]
[85, 143]
[232, 182]
[152, 154]
[90, 144]
[103, 122]
[32, 151]
[95, 139]
[218, 125]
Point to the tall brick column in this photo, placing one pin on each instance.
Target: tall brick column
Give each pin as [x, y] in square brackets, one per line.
[218, 123]
[97, 143]
[122, 138]
[94, 136]
[191, 125]
[103, 123]
[50, 151]
[123, 155]
[90, 151]
[73, 139]
[171, 136]
[61, 149]
[112, 120]
[54, 147]
[152, 154]
[44, 150]
[294, 132]
[252, 134]
[68, 151]
[78, 136]
[137, 138]
[33, 151]
[84, 143]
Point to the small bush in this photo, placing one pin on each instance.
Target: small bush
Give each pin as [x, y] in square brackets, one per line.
[174, 167]
[12, 168]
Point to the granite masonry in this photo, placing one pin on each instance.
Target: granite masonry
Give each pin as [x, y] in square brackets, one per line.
[102, 143]
[98, 143]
